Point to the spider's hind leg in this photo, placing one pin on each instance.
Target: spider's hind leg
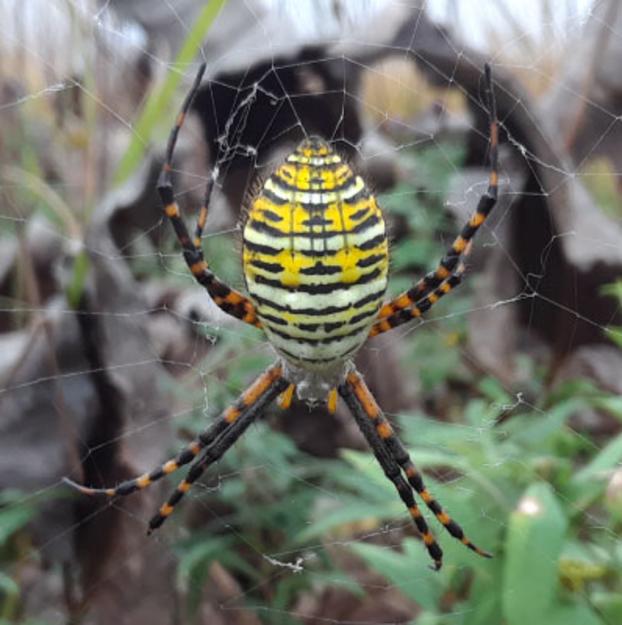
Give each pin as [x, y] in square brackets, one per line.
[373, 435]
[251, 401]
[368, 414]
[269, 386]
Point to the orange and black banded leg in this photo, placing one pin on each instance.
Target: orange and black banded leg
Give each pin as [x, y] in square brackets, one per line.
[391, 469]
[450, 260]
[368, 405]
[419, 308]
[193, 449]
[228, 299]
[219, 447]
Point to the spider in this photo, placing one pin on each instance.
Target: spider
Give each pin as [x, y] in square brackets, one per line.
[315, 259]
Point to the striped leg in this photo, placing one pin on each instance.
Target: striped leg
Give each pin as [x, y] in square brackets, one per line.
[229, 300]
[449, 262]
[217, 449]
[224, 422]
[367, 404]
[417, 309]
[373, 435]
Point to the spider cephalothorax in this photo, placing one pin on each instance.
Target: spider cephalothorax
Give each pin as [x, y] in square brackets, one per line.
[315, 262]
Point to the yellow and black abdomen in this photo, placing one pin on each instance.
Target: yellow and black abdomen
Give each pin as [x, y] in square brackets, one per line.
[315, 257]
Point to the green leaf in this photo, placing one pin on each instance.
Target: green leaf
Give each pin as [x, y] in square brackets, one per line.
[8, 586]
[563, 614]
[615, 334]
[80, 269]
[350, 511]
[484, 602]
[494, 391]
[609, 605]
[537, 429]
[602, 463]
[533, 545]
[612, 404]
[412, 254]
[198, 555]
[12, 519]
[366, 465]
[409, 571]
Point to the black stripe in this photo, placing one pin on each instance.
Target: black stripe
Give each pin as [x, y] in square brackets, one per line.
[283, 174]
[271, 267]
[358, 196]
[312, 312]
[317, 360]
[273, 197]
[318, 312]
[363, 315]
[271, 215]
[324, 341]
[308, 327]
[278, 320]
[320, 269]
[468, 231]
[370, 260]
[360, 213]
[286, 186]
[319, 289]
[331, 327]
[326, 166]
[260, 226]
[316, 220]
[369, 298]
[317, 253]
[355, 199]
[365, 225]
[264, 228]
[262, 249]
[301, 359]
[273, 251]
[372, 243]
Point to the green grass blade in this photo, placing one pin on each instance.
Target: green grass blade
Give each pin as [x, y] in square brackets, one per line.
[161, 98]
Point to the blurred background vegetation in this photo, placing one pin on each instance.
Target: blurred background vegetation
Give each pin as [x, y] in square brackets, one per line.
[111, 357]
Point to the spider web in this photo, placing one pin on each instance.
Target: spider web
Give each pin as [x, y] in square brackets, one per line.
[273, 535]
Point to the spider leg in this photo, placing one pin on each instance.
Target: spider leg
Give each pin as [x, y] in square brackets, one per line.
[447, 266]
[219, 447]
[226, 298]
[247, 401]
[421, 306]
[363, 401]
[373, 435]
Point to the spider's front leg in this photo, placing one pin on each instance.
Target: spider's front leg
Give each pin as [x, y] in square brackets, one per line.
[427, 291]
[212, 443]
[228, 299]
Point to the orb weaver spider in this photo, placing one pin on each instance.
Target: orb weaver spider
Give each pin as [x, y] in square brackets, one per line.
[315, 258]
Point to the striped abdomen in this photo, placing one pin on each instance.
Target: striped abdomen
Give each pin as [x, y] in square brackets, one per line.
[315, 256]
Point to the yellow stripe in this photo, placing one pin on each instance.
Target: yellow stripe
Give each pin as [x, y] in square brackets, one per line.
[285, 398]
[143, 481]
[166, 510]
[170, 466]
[172, 210]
